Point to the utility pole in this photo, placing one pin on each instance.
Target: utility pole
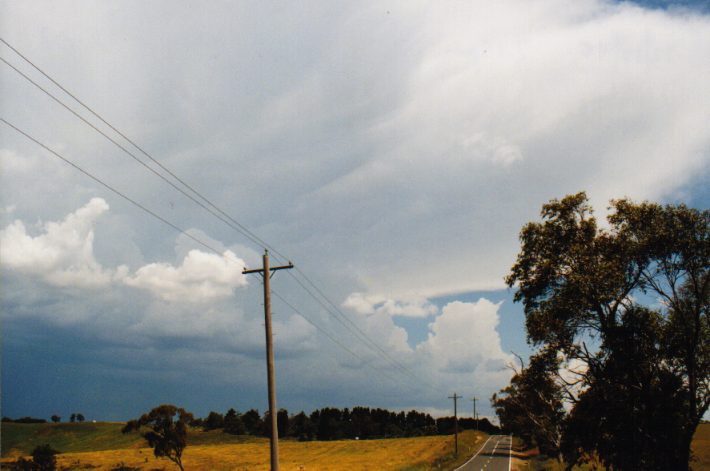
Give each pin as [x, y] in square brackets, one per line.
[456, 425]
[266, 273]
[475, 418]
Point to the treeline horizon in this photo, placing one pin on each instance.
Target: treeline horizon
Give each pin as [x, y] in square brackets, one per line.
[329, 423]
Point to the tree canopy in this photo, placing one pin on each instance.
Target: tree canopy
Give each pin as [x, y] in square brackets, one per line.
[167, 431]
[629, 300]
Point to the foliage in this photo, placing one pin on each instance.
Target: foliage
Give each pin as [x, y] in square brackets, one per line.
[24, 420]
[56, 419]
[213, 421]
[167, 433]
[43, 459]
[252, 422]
[531, 405]
[233, 423]
[579, 283]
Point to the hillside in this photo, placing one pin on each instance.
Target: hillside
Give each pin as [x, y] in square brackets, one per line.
[102, 446]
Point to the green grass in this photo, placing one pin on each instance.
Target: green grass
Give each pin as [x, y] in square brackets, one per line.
[81, 437]
[76, 437]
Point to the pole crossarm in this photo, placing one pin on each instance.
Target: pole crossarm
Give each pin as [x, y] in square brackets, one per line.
[272, 269]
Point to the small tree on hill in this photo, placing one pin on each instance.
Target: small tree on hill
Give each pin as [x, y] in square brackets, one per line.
[167, 431]
[79, 417]
[56, 419]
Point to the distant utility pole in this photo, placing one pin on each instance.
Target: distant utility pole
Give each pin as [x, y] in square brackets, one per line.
[266, 274]
[475, 418]
[456, 425]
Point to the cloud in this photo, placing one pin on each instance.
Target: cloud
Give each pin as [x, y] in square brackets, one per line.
[201, 277]
[393, 152]
[464, 340]
[63, 255]
[414, 307]
[462, 346]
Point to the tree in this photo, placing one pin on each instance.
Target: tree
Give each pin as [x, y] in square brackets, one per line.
[72, 418]
[44, 459]
[233, 423]
[80, 417]
[56, 419]
[578, 282]
[213, 421]
[532, 405]
[167, 431]
[300, 426]
[629, 412]
[281, 423]
[252, 422]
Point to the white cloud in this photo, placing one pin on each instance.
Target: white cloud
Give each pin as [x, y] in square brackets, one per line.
[200, 277]
[464, 339]
[394, 152]
[411, 307]
[63, 255]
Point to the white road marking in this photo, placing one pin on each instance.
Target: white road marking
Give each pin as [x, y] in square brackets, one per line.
[510, 452]
[474, 456]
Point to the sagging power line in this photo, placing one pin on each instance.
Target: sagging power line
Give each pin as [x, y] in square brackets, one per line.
[217, 212]
[197, 240]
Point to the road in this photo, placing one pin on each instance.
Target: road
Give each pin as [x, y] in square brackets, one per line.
[494, 455]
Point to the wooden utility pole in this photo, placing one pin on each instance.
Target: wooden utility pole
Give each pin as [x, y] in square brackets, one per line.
[456, 425]
[266, 273]
[475, 418]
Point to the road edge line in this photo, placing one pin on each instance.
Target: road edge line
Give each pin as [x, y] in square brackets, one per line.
[510, 453]
[479, 450]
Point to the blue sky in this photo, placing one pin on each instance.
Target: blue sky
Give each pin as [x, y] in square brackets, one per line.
[393, 151]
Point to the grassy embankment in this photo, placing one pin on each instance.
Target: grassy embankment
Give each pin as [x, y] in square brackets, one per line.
[102, 446]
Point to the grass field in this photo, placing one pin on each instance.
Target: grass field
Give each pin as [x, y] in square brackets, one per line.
[102, 447]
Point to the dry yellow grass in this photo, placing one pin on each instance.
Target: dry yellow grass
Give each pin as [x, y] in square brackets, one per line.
[421, 453]
[701, 448]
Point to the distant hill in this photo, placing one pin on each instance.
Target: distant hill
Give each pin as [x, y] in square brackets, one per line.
[20, 439]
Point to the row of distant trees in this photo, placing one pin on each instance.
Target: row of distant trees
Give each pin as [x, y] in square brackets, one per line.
[76, 417]
[333, 424]
[165, 427]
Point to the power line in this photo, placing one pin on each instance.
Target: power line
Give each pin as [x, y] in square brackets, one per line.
[246, 232]
[212, 208]
[181, 231]
[126, 151]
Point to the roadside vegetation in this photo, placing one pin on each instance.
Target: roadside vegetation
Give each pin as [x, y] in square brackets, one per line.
[620, 313]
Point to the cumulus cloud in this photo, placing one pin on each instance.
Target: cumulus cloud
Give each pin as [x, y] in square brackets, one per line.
[200, 277]
[462, 345]
[63, 254]
[464, 339]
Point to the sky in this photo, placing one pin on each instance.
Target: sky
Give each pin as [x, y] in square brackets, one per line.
[391, 150]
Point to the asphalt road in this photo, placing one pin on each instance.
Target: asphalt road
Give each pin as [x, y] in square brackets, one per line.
[494, 455]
